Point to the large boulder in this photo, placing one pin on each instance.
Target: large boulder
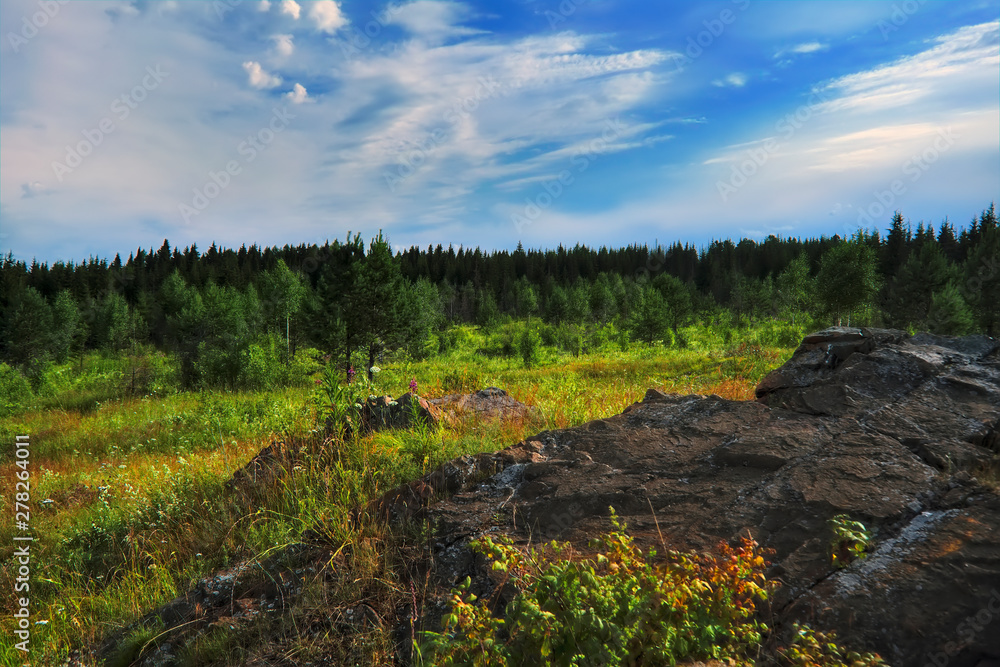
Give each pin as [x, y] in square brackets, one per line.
[888, 428]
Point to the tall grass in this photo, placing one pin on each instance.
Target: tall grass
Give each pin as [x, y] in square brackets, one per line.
[130, 502]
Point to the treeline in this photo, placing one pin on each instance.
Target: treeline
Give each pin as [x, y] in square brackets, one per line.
[236, 317]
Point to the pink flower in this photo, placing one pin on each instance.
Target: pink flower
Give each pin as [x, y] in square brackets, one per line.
[413, 385]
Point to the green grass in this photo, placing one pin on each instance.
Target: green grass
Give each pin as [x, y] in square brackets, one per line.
[139, 508]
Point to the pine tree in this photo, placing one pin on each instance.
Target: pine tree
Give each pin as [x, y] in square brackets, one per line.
[677, 297]
[68, 332]
[948, 313]
[556, 306]
[982, 277]
[578, 303]
[281, 292]
[795, 287]
[925, 272]
[28, 333]
[376, 313]
[848, 279]
[947, 241]
[650, 320]
[896, 247]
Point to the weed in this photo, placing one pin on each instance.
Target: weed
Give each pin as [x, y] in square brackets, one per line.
[811, 648]
[850, 540]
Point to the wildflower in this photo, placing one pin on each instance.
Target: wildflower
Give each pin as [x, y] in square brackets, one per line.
[350, 375]
[413, 385]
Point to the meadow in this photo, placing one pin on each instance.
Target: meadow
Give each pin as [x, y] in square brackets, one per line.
[129, 503]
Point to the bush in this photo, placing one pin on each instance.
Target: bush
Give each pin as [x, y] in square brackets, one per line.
[816, 649]
[620, 607]
[454, 338]
[529, 346]
[502, 341]
[601, 337]
[263, 366]
[15, 391]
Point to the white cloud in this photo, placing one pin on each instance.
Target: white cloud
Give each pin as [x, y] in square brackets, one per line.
[258, 78]
[962, 61]
[433, 19]
[808, 47]
[911, 128]
[283, 44]
[736, 80]
[264, 6]
[327, 16]
[801, 49]
[291, 8]
[298, 94]
[479, 123]
[33, 189]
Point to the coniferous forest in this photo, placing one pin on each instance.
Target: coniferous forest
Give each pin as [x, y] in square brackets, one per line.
[234, 318]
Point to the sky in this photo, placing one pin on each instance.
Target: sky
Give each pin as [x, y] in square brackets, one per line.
[484, 123]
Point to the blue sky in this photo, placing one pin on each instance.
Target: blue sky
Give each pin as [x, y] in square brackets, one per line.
[603, 122]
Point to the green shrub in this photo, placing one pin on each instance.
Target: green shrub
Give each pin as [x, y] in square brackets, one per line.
[601, 337]
[811, 648]
[15, 391]
[502, 341]
[529, 345]
[619, 607]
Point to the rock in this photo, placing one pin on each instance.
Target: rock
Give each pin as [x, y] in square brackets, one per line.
[382, 412]
[488, 403]
[887, 428]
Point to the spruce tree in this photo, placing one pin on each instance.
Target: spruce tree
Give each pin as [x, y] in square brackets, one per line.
[67, 326]
[848, 279]
[924, 272]
[28, 333]
[982, 277]
[948, 314]
[650, 319]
